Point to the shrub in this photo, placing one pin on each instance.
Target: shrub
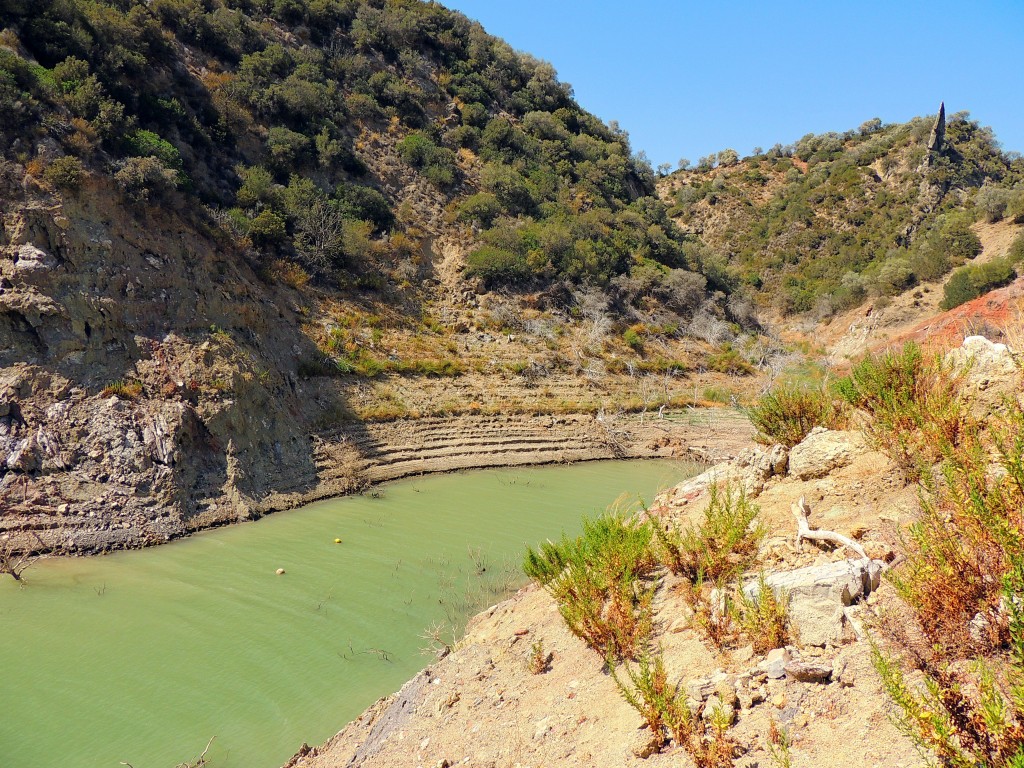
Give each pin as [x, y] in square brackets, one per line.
[763, 618]
[730, 361]
[267, 229]
[964, 568]
[437, 164]
[497, 265]
[786, 415]
[666, 713]
[64, 173]
[722, 546]
[600, 583]
[633, 340]
[141, 177]
[482, 208]
[148, 144]
[123, 388]
[540, 661]
[914, 407]
[976, 280]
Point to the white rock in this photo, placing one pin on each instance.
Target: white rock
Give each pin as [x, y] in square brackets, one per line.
[823, 451]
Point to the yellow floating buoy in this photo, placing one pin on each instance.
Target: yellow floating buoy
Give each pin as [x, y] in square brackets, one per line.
[337, 541]
[279, 571]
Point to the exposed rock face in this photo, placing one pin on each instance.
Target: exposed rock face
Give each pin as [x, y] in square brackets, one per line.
[990, 373]
[938, 134]
[823, 451]
[749, 471]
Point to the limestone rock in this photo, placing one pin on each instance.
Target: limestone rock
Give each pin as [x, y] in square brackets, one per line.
[30, 258]
[842, 582]
[809, 671]
[990, 373]
[645, 744]
[823, 451]
[775, 663]
[818, 594]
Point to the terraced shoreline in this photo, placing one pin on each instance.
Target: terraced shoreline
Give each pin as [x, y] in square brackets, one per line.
[356, 456]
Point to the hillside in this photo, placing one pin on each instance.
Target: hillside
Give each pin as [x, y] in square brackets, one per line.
[234, 233]
[838, 219]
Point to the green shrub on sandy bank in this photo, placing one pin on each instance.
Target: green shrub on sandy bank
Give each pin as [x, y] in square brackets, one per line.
[913, 406]
[976, 280]
[601, 581]
[721, 547]
[787, 414]
[666, 714]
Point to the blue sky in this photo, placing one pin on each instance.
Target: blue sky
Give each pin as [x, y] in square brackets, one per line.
[689, 78]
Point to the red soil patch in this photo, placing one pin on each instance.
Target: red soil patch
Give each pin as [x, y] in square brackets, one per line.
[986, 315]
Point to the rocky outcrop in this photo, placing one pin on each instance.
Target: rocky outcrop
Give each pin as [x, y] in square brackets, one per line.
[818, 598]
[938, 133]
[824, 451]
[990, 373]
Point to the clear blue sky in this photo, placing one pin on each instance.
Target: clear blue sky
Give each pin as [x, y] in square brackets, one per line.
[686, 78]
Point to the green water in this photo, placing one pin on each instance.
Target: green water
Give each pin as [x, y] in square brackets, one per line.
[143, 656]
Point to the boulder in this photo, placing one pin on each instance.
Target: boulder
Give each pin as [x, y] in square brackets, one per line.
[30, 258]
[990, 373]
[841, 583]
[749, 471]
[817, 595]
[809, 671]
[823, 451]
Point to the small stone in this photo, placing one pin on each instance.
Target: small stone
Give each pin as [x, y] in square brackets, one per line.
[645, 744]
[743, 655]
[774, 664]
[280, 571]
[779, 701]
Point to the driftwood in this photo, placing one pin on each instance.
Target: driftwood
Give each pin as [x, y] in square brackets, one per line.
[801, 511]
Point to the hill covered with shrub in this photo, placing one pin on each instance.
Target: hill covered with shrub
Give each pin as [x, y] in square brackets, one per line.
[273, 116]
[838, 218]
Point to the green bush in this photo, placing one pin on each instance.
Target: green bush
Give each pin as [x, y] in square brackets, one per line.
[720, 547]
[64, 173]
[965, 560]
[267, 229]
[787, 414]
[633, 340]
[599, 580]
[666, 713]
[915, 410]
[729, 360]
[482, 208]
[976, 280]
[496, 265]
[146, 143]
[142, 177]
[437, 164]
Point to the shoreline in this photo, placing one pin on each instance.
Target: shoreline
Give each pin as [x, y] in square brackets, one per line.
[355, 458]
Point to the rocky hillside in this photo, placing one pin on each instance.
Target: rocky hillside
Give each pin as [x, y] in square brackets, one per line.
[839, 219]
[235, 232]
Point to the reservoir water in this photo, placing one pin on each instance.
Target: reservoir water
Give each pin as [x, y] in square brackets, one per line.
[144, 656]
